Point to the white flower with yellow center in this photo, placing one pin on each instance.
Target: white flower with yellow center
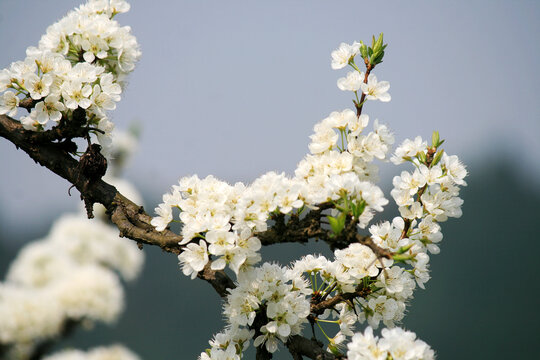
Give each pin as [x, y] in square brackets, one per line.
[376, 90]
[8, 104]
[49, 109]
[341, 56]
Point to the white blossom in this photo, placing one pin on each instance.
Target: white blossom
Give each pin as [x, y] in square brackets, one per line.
[193, 258]
[9, 103]
[351, 82]
[408, 150]
[113, 352]
[90, 292]
[376, 90]
[395, 343]
[342, 56]
[49, 109]
[28, 314]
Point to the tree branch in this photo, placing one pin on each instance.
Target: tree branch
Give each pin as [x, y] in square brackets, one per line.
[296, 229]
[130, 218]
[319, 307]
[360, 105]
[300, 346]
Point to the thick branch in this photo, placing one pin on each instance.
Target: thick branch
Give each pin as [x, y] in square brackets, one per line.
[296, 229]
[131, 219]
[218, 279]
[300, 346]
[377, 250]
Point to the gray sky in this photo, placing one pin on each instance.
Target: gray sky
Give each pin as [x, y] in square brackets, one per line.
[233, 88]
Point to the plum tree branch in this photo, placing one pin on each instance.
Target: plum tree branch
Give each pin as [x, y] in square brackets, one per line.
[130, 218]
[300, 346]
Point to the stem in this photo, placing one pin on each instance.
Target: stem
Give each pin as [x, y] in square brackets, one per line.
[429, 159]
[328, 290]
[352, 63]
[363, 97]
[320, 327]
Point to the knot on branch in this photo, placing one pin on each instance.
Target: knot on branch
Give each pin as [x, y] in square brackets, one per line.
[92, 166]
[70, 127]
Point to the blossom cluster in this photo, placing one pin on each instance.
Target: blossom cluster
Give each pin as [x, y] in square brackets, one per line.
[338, 171]
[71, 275]
[80, 63]
[426, 197]
[113, 352]
[273, 293]
[227, 217]
[357, 267]
[396, 344]
[277, 290]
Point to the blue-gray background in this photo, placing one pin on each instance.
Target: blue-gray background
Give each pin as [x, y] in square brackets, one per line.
[234, 88]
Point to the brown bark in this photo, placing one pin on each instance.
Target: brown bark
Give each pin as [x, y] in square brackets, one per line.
[131, 219]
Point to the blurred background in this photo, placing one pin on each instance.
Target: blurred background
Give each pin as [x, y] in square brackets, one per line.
[234, 88]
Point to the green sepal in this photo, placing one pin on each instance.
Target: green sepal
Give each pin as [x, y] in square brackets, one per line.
[334, 350]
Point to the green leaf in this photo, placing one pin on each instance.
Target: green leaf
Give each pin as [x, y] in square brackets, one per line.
[358, 208]
[334, 224]
[379, 43]
[404, 249]
[402, 257]
[377, 57]
[363, 50]
[337, 223]
[435, 139]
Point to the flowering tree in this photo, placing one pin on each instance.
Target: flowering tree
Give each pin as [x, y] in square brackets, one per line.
[312, 307]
